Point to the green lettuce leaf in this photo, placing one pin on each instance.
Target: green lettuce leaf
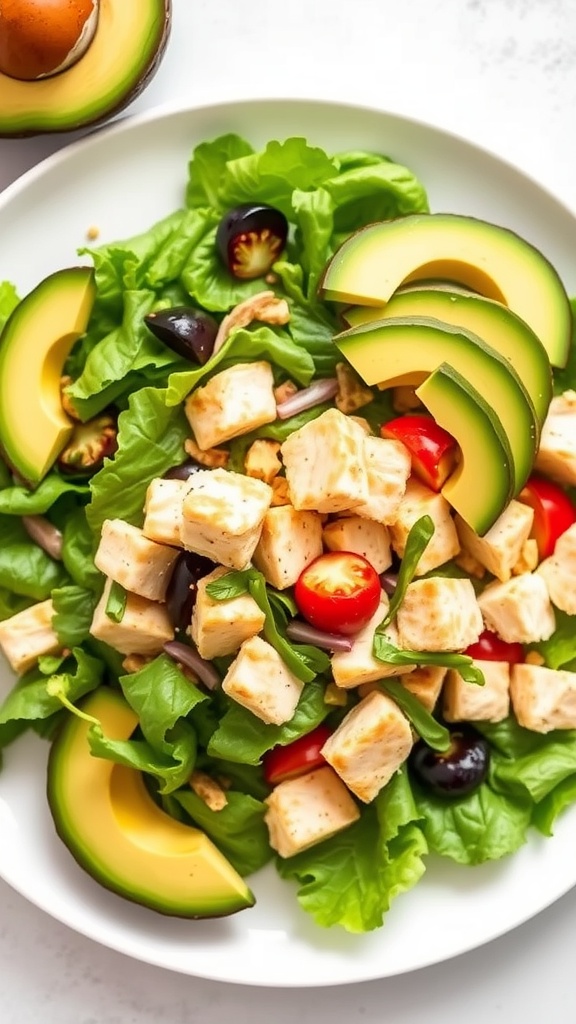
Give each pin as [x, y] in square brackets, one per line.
[8, 301]
[160, 694]
[208, 167]
[11, 604]
[78, 549]
[351, 879]
[25, 568]
[238, 830]
[21, 501]
[73, 612]
[244, 738]
[150, 440]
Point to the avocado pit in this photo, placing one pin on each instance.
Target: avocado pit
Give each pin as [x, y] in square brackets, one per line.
[39, 38]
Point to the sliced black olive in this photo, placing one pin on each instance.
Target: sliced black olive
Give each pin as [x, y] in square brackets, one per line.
[250, 238]
[184, 471]
[457, 771]
[189, 332]
[182, 589]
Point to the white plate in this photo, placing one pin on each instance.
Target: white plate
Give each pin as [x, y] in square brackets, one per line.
[120, 180]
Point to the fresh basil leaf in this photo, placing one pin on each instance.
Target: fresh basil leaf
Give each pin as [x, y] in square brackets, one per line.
[233, 584]
[419, 537]
[304, 661]
[387, 652]
[433, 734]
[116, 603]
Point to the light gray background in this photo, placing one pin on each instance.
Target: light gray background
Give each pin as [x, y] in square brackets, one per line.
[499, 72]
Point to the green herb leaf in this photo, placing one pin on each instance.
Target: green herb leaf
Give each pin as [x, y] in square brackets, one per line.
[434, 734]
[116, 603]
[387, 652]
[420, 535]
[304, 661]
[233, 584]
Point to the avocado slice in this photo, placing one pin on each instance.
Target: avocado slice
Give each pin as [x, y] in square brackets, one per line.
[491, 260]
[104, 814]
[497, 325]
[478, 488]
[404, 351]
[128, 44]
[34, 344]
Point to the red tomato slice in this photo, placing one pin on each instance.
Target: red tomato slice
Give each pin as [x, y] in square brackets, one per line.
[489, 647]
[432, 449]
[303, 755]
[553, 512]
[338, 592]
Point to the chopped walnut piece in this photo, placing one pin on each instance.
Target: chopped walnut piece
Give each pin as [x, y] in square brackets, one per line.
[528, 558]
[262, 460]
[470, 564]
[280, 495]
[352, 392]
[404, 398]
[208, 790]
[265, 307]
[213, 458]
[89, 445]
[285, 391]
[135, 662]
[67, 404]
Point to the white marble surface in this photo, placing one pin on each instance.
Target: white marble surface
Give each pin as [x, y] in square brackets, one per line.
[500, 72]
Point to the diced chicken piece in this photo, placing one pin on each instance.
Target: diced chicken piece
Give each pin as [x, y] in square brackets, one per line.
[559, 572]
[222, 516]
[28, 635]
[388, 465]
[358, 666]
[232, 403]
[419, 501]
[528, 559]
[280, 495]
[212, 458]
[439, 614]
[221, 627]
[163, 511]
[363, 537]
[467, 702]
[543, 698]
[557, 452]
[262, 460]
[138, 564]
[305, 811]
[326, 465]
[470, 564]
[289, 541]
[519, 611]
[501, 547]
[425, 683]
[259, 680]
[369, 745]
[144, 629]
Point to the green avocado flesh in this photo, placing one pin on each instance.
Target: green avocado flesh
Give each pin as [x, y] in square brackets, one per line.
[106, 817]
[34, 345]
[129, 41]
[397, 351]
[497, 325]
[478, 489]
[374, 262]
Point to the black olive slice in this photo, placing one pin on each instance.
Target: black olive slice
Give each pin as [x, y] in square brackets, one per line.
[250, 238]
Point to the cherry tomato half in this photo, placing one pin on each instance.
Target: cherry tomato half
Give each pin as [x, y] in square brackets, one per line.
[338, 592]
[553, 512]
[432, 449]
[296, 758]
[489, 647]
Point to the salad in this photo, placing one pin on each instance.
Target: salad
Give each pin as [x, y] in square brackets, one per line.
[243, 554]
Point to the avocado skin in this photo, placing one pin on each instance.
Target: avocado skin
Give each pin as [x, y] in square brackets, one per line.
[65, 764]
[157, 48]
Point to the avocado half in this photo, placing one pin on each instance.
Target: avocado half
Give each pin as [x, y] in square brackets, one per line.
[491, 260]
[34, 345]
[126, 50]
[104, 814]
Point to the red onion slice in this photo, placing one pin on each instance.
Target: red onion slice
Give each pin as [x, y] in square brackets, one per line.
[44, 534]
[320, 391]
[303, 633]
[389, 581]
[189, 657]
